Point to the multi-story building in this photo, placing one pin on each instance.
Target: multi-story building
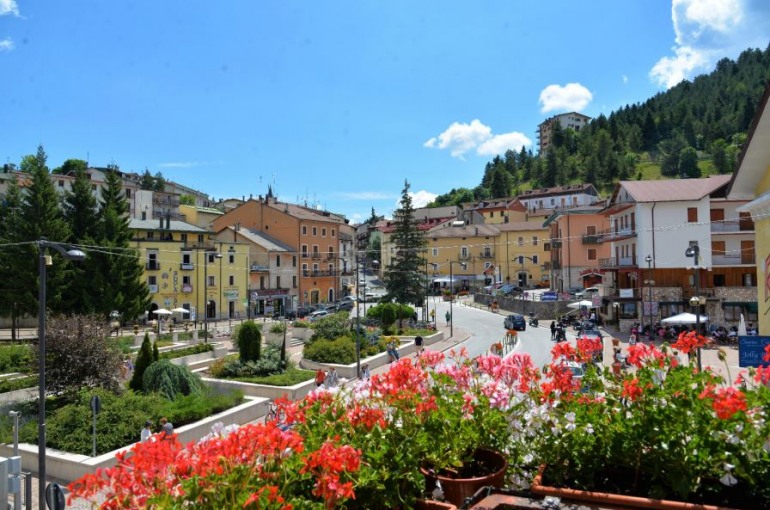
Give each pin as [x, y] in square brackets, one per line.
[559, 197]
[312, 234]
[572, 120]
[652, 225]
[524, 254]
[471, 249]
[184, 268]
[575, 247]
[751, 181]
[493, 211]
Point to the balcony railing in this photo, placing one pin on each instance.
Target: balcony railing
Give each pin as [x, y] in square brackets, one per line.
[186, 287]
[318, 272]
[258, 267]
[614, 234]
[186, 266]
[152, 266]
[592, 239]
[725, 260]
[463, 256]
[487, 255]
[556, 244]
[316, 255]
[732, 226]
[614, 262]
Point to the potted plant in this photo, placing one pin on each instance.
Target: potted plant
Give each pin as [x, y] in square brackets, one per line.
[301, 329]
[276, 333]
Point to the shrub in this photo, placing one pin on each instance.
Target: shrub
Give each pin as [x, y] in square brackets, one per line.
[187, 351]
[16, 358]
[168, 379]
[341, 350]
[278, 327]
[268, 364]
[249, 341]
[332, 326]
[29, 381]
[155, 352]
[289, 377]
[301, 324]
[143, 360]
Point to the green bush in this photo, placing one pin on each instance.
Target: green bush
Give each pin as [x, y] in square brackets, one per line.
[169, 380]
[249, 341]
[301, 324]
[124, 344]
[29, 381]
[278, 327]
[289, 377]
[331, 326]
[143, 360]
[187, 351]
[121, 419]
[269, 364]
[341, 350]
[17, 358]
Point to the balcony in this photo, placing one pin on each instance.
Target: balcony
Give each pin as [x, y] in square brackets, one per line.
[556, 264]
[616, 263]
[187, 266]
[727, 226]
[317, 255]
[616, 234]
[255, 268]
[486, 255]
[186, 287]
[556, 244]
[305, 255]
[463, 256]
[152, 266]
[318, 272]
[592, 239]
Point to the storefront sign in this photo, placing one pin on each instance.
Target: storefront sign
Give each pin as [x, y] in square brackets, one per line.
[751, 351]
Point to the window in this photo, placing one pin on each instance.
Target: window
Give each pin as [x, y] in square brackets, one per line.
[277, 282]
[692, 215]
[186, 280]
[546, 246]
[323, 232]
[186, 258]
[333, 232]
[520, 241]
[232, 280]
[749, 279]
[128, 193]
[212, 281]
[591, 254]
[534, 259]
[261, 282]
[152, 280]
[200, 238]
[434, 252]
[184, 238]
[590, 230]
[231, 257]
[315, 231]
[293, 261]
[304, 251]
[304, 230]
[61, 184]
[719, 280]
[294, 282]
[732, 312]
[278, 261]
[304, 270]
[150, 235]
[534, 240]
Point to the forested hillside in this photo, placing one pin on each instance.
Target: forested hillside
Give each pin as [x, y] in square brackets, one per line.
[692, 129]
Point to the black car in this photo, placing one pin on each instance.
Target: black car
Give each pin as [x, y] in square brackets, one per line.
[515, 322]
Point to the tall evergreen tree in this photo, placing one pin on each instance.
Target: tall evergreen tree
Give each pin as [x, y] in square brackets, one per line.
[12, 281]
[404, 277]
[41, 217]
[120, 270]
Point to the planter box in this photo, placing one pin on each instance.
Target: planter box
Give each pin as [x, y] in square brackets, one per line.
[295, 392]
[70, 466]
[304, 334]
[276, 339]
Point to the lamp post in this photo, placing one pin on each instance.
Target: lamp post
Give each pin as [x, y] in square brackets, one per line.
[452, 295]
[358, 325]
[45, 260]
[206, 292]
[648, 259]
[694, 252]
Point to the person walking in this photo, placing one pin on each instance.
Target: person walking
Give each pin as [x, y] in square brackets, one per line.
[553, 330]
[146, 432]
[433, 316]
[392, 351]
[448, 317]
[365, 373]
[320, 376]
[331, 379]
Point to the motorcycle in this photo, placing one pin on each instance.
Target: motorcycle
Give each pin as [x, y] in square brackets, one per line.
[533, 321]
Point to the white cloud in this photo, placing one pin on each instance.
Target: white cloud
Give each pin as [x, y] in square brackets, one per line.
[421, 198]
[8, 7]
[708, 30]
[6, 45]
[571, 97]
[498, 144]
[461, 138]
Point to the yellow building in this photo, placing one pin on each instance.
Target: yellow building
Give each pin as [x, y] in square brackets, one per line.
[524, 255]
[470, 248]
[752, 181]
[183, 269]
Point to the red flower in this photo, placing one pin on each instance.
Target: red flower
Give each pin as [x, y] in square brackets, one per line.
[688, 342]
[631, 389]
[729, 401]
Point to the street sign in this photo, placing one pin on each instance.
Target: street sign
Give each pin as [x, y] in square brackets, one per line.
[751, 351]
[96, 404]
[549, 296]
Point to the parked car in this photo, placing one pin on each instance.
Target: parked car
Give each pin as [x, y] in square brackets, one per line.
[573, 291]
[591, 333]
[516, 322]
[587, 292]
[344, 305]
[318, 314]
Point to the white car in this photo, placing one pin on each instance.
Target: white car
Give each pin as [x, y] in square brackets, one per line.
[317, 315]
[587, 292]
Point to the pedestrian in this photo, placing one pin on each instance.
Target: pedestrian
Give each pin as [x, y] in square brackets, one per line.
[331, 379]
[448, 317]
[392, 351]
[365, 374]
[320, 376]
[418, 344]
[166, 428]
[146, 432]
[553, 330]
[433, 316]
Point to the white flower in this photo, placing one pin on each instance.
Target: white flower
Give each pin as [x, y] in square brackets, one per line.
[589, 429]
[570, 417]
[570, 427]
[728, 480]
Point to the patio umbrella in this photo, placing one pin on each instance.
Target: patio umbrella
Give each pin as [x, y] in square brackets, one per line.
[742, 326]
[180, 310]
[162, 311]
[684, 318]
[581, 304]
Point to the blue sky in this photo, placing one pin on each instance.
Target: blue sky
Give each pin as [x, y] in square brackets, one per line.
[333, 103]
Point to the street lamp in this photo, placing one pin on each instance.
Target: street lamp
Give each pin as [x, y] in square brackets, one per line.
[696, 301]
[648, 259]
[452, 295]
[45, 260]
[206, 292]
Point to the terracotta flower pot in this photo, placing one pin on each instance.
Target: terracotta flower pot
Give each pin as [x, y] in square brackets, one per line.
[456, 490]
[608, 499]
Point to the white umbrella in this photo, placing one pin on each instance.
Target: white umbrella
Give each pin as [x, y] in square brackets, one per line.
[162, 311]
[685, 318]
[581, 304]
[179, 310]
[742, 326]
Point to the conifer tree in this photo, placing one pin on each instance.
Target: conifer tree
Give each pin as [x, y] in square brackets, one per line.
[143, 360]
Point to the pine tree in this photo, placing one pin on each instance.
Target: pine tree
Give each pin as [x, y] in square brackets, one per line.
[404, 278]
[249, 342]
[143, 360]
[155, 352]
[12, 280]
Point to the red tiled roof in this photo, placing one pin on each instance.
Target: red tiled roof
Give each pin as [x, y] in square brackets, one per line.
[672, 190]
